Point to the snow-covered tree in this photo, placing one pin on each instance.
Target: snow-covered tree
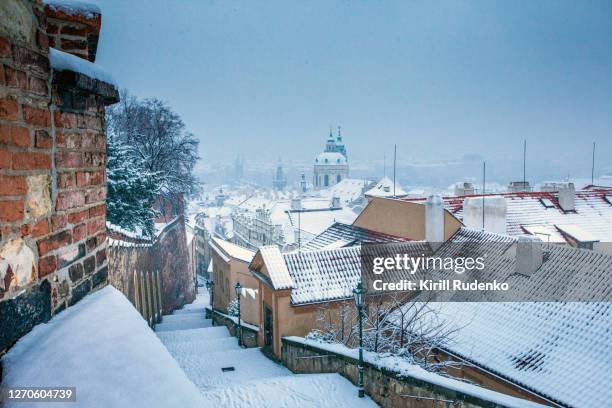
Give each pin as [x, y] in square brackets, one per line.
[392, 324]
[232, 308]
[132, 188]
[159, 139]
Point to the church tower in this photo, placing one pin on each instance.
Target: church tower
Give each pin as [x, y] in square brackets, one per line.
[331, 166]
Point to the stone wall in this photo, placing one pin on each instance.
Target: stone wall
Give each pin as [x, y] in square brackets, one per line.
[167, 253]
[249, 335]
[385, 387]
[52, 176]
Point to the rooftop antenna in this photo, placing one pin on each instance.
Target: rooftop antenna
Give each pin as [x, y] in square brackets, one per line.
[394, 166]
[524, 162]
[593, 166]
[484, 183]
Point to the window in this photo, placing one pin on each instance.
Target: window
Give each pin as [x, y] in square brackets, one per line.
[326, 180]
[338, 178]
[547, 203]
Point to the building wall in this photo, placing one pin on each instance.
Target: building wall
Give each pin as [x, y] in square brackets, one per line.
[225, 276]
[401, 218]
[168, 253]
[52, 178]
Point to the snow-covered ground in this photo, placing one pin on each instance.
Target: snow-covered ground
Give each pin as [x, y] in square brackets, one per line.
[105, 349]
[255, 381]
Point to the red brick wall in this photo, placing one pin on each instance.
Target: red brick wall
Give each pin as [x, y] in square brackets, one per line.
[52, 183]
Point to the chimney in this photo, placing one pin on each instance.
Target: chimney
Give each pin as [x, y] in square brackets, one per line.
[335, 202]
[529, 254]
[296, 204]
[494, 213]
[567, 199]
[465, 188]
[434, 221]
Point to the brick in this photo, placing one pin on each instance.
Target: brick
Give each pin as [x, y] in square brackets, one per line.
[31, 161]
[37, 86]
[70, 199]
[79, 232]
[89, 265]
[95, 226]
[68, 140]
[11, 211]
[42, 139]
[101, 256]
[8, 109]
[13, 185]
[65, 180]
[46, 266]
[65, 120]
[73, 44]
[95, 195]
[31, 60]
[75, 272]
[52, 29]
[40, 229]
[53, 242]
[2, 82]
[97, 211]
[91, 244]
[15, 78]
[88, 141]
[78, 31]
[14, 135]
[36, 116]
[58, 221]
[90, 178]
[5, 48]
[25, 230]
[20, 136]
[76, 217]
[43, 40]
[94, 159]
[5, 159]
[68, 159]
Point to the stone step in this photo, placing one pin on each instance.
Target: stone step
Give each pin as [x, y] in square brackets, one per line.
[249, 364]
[183, 322]
[193, 334]
[201, 310]
[199, 348]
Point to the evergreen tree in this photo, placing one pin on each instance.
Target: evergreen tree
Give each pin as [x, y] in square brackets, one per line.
[132, 189]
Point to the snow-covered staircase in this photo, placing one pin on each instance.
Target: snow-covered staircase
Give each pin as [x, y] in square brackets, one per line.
[231, 376]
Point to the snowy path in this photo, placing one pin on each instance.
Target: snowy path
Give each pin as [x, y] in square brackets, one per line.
[256, 381]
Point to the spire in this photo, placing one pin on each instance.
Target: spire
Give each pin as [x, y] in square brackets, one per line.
[339, 137]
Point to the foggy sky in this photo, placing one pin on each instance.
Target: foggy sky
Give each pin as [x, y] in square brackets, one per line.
[440, 79]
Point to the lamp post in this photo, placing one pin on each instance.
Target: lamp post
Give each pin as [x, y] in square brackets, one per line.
[210, 285]
[358, 292]
[238, 289]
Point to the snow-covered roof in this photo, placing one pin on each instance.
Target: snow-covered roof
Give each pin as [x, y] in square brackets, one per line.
[349, 235]
[277, 269]
[524, 211]
[330, 158]
[62, 61]
[72, 7]
[315, 222]
[536, 344]
[347, 190]
[384, 188]
[232, 250]
[100, 324]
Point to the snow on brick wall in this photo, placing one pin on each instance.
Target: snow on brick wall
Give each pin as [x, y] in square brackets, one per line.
[52, 184]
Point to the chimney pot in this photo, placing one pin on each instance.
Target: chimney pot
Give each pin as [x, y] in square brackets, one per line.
[567, 197]
[529, 254]
[434, 220]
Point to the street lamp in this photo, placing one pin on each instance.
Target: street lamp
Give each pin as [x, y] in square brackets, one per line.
[210, 285]
[238, 289]
[358, 292]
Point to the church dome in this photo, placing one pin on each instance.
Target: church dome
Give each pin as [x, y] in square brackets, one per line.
[330, 158]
